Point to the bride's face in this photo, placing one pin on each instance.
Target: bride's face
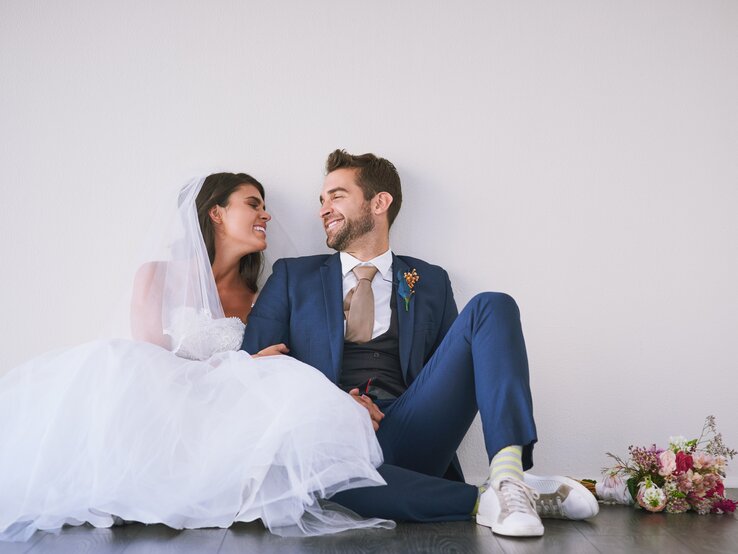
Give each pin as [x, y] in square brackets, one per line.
[244, 221]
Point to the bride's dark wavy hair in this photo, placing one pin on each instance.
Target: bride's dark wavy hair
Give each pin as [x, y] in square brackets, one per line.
[215, 190]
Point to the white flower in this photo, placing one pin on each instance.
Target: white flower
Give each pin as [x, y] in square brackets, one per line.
[721, 464]
[651, 497]
[677, 443]
[654, 496]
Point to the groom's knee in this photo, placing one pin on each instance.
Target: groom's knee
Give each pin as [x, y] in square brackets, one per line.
[497, 303]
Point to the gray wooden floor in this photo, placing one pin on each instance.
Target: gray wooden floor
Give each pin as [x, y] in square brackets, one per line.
[615, 529]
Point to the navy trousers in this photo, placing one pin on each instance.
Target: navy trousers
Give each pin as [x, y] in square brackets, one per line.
[481, 365]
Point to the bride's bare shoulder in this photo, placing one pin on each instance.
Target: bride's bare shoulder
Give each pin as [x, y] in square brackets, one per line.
[148, 274]
[151, 267]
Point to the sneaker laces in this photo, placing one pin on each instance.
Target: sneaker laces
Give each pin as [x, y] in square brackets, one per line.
[551, 506]
[518, 496]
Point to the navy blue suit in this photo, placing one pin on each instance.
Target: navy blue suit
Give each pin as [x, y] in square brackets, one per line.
[454, 365]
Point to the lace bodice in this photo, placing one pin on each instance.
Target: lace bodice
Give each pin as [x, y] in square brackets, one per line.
[197, 336]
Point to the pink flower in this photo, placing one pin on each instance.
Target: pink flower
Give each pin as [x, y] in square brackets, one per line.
[667, 460]
[709, 481]
[684, 482]
[702, 460]
[717, 490]
[698, 485]
[683, 462]
[701, 484]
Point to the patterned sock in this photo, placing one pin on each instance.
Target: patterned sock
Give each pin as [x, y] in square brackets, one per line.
[508, 463]
[481, 490]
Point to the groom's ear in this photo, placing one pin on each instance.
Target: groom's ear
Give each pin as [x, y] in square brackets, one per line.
[381, 202]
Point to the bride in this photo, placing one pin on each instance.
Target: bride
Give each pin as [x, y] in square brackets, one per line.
[179, 426]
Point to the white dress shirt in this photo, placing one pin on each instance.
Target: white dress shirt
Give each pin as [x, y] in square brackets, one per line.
[381, 287]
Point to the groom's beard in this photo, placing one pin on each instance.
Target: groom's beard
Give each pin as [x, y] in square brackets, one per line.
[352, 229]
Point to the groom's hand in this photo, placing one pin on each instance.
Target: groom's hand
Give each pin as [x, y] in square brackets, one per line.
[374, 412]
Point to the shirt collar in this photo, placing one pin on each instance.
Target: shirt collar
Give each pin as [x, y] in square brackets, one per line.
[383, 263]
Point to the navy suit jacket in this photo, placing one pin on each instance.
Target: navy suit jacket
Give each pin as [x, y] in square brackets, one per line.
[301, 305]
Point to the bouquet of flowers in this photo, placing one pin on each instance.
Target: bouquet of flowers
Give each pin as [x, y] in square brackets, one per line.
[688, 475]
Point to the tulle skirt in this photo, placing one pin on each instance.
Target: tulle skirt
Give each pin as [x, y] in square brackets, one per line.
[124, 430]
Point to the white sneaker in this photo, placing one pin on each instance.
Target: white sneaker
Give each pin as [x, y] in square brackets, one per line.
[508, 507]
[561, 497]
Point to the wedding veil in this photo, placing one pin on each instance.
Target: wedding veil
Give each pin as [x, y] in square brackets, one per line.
[176, 290]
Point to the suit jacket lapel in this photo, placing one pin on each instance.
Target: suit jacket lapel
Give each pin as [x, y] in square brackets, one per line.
[405, 319]
[330, 273]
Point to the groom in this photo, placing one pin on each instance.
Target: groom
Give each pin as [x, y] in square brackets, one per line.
[385, 328]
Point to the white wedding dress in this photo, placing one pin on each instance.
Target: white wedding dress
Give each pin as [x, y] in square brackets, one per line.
[126, 430]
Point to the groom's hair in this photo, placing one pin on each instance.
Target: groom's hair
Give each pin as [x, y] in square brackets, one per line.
[373, 175]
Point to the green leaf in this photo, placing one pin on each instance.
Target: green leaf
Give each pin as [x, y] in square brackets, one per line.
[633, 487]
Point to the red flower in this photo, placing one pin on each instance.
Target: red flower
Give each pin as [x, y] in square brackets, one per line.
[723, 506]
[683, 462]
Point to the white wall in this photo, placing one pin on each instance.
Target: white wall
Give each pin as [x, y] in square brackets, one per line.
[579, 155]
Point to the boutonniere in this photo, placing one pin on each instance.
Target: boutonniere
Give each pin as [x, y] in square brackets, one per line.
[406, 288]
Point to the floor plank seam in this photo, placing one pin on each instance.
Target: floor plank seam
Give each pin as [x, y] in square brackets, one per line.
[222, 540]
[586, 538]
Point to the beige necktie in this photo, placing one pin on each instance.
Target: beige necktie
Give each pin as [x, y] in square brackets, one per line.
[358, 306]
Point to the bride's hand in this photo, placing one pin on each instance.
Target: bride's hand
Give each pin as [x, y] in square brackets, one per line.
[375, 413]
[272, 350]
